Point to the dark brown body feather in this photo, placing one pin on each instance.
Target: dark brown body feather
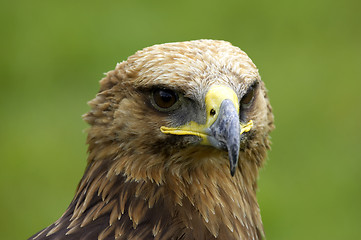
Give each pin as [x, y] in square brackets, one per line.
[143, 184]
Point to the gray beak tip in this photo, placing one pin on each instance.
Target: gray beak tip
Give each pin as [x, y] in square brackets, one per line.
[233, 170]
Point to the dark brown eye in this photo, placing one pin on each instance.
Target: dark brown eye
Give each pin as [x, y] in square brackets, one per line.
[164, 99]
[247, 99]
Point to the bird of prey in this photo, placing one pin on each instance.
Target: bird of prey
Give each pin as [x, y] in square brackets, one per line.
[177, 135]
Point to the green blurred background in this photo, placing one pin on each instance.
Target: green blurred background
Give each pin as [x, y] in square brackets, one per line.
[53, 53]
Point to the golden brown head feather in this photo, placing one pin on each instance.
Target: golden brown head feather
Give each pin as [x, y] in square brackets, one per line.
[143, 184]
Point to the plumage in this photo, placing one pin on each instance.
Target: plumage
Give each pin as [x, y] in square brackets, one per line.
[160, 154]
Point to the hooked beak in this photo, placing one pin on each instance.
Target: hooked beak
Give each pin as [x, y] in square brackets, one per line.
[222, 129]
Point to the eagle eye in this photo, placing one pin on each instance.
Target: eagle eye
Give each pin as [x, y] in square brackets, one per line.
[247, 99]
[164, 99]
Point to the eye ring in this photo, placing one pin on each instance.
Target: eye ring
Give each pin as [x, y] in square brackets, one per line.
[164, 100]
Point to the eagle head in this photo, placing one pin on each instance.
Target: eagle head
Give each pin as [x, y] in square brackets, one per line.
[176, 107]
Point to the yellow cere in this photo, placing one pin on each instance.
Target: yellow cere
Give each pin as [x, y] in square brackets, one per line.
[214, 98]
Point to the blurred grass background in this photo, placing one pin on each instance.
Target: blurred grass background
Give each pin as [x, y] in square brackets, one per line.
[53, 53]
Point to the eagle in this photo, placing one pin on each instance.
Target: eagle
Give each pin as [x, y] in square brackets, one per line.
[178, 133]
